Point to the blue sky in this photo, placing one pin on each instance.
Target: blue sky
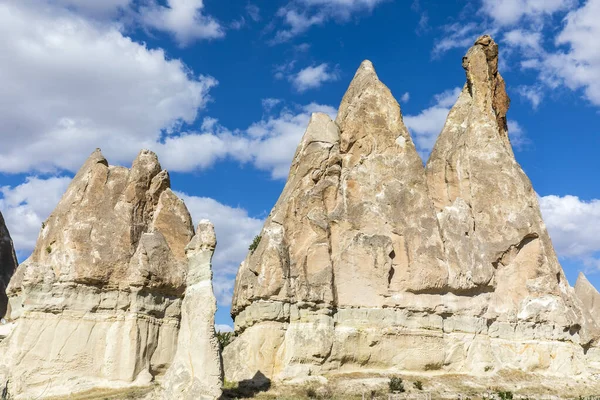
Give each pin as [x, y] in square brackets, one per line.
[222, 91]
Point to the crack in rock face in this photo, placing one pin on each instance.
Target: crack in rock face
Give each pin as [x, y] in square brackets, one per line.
[371, 260]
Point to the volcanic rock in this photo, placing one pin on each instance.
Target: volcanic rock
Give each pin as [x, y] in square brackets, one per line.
[98, 303]
[371, 262]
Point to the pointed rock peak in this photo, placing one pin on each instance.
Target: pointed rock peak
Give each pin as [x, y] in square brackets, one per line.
[148, 161]
[366, 68]
[95, 158]
[205, 238]
[485, 83]
[321, 129]
[365, 77]
[584, 284]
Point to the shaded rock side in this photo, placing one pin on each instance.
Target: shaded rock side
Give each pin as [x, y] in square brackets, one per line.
[196, 371]
[371, 262]
[97, 304]
[8, 265]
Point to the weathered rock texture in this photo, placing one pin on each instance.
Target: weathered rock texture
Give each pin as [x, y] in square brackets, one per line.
[8, 264]
[196, 372]
[371, 262]
[98, 303]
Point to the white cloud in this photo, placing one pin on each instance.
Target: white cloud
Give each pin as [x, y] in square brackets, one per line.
[253, 11]
[427, 125]
[235, 231]
[509, 12]
[534, 94]
[301, 15]
[579, 67]
[457, 35]
[574, 62]
[69, 83]
[405, 97]
[27, 205]
[574, 226]
[270, 103]
[101, 9]
[182, 18]
[516, 133]
[529, 41]
[223, 328]
[268, 144]
[313, 77]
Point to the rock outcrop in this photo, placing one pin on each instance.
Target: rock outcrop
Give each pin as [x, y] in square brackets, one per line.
[8, 264]
[98, 303]
[196, 372]
[589, 296]
[371, 262]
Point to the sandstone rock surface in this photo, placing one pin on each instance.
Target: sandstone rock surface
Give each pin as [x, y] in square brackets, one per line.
[8, 264]
[98, 303]
[371, 262]
[196, 372]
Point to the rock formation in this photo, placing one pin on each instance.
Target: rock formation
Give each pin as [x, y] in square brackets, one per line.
[589, 296]
[196, 372]
[371, 262]
[8, 264]
[98, 303]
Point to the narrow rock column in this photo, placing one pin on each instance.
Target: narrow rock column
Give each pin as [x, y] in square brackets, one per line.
[196, 372]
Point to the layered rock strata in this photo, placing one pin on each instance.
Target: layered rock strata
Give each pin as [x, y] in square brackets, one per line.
[371, 262]
[98, 303]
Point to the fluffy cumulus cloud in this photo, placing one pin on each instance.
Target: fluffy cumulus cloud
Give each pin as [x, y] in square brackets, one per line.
[313, 77]
[509, 12]
[574, 226]
[564, 57]
[69, 83]
[300, 15]
[235, 231]
[27, 205]
[578, 67]
[268, 144]
[184, 19]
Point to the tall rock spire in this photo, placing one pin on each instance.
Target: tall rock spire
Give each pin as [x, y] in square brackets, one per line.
[384, 236]
[488, 211]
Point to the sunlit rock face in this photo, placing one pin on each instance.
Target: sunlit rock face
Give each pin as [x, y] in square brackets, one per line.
[370, 261]
[196, 372]
[98, 303]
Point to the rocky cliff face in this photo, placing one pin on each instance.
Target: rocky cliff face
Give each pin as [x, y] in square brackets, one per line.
[98, 303]
[369, 261]
[8, 264]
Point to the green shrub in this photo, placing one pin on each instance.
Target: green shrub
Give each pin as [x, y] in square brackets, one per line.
[504, 395]
[396, 384]
[255, 243]
[418, 385]
[48, 249]
[224, 339]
